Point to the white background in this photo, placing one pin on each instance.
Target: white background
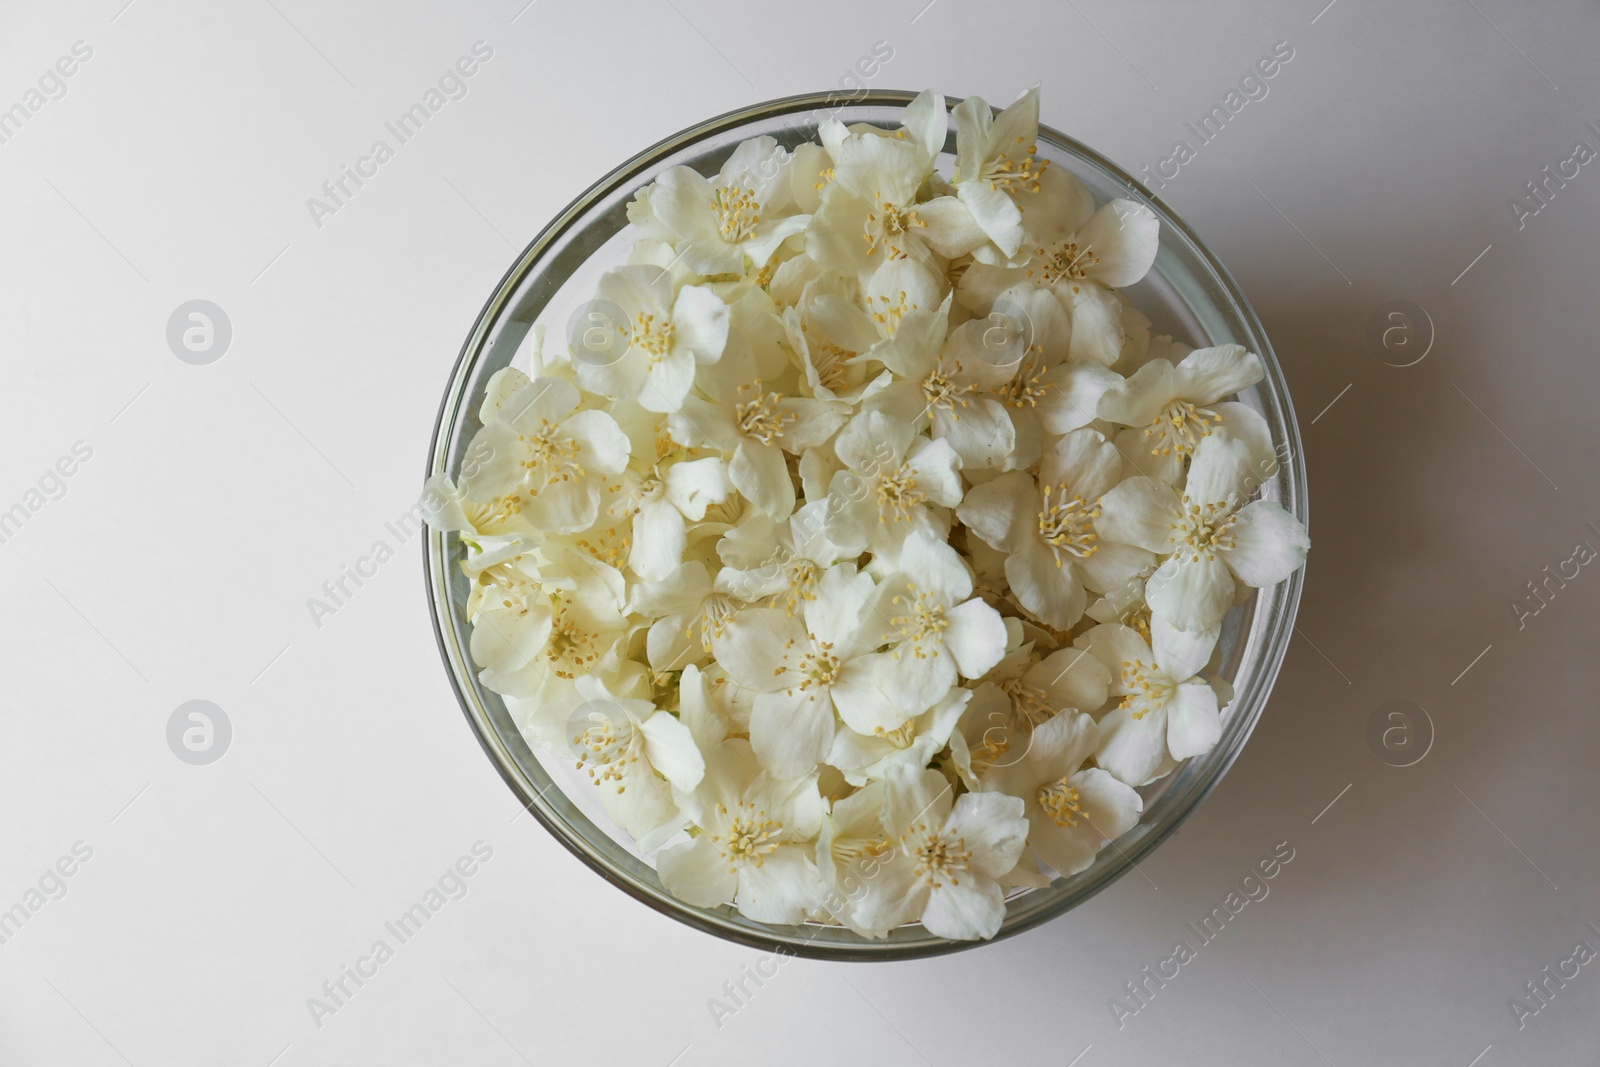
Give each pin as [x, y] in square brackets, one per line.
[219, 498]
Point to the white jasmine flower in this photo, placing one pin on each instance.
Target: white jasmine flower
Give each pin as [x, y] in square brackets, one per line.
[863, 756]
[539, 455]
[1072, 810]
[1048, 528]
[1208, 536]
[536, 645]
[891, 477]
[784, 560]
[948, 857]
[689, 607]
[941, 631]
[1024, 339]
[660, 504]
[1170, 409]
[752, 848]
[870, 214]
[1167, 712]
[756, 424]
[662, 337]
[996, 162]
[807, 667]
[624, 744]
[740, 213]
[1021, 693]
[850, 847]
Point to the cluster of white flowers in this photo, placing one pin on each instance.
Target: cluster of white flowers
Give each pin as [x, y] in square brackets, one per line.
[862, 544]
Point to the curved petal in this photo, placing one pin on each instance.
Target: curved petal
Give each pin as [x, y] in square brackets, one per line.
[791, 731]
[969, 910]
[1219, 471]
[1061, 744]
[1045, 586]
[1181, 654]
[1269, 544]
[860, 696]
[696, 873]
[783, 888]
[761, 475]
[976, 637]
[659, 538]
[1125, 236]
[752, 646]
[1084, 461]
[1132, 750]
[1193, 723]
[1192, 592]
[1097, 331]
[699, 323]
[602, 446]
[1139, 511]
[1114, 644]
[671, 749]
[992, 828]
[1206, 375]
[1002, 511]
[1072, 394]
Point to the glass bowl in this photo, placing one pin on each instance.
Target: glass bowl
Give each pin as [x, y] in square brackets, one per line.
[1187, 294]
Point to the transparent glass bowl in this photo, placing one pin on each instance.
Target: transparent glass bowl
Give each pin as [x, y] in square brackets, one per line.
[1187, 294]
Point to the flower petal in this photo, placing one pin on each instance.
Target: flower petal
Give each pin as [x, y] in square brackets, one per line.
[791, 731]
[1269, 544]
[696, 873]
[976, 637]
[783, 888]
[1125, 237]
[1139, 511]
[1193, 723]
[1193, 592]
[671, 750]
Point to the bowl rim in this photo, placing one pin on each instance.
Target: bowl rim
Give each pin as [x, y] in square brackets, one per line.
[436, 563]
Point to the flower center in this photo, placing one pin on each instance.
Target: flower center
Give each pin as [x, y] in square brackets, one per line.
[818, 667]
[1203, 529]
[832, 364]
[715, 612]
[941, 857]
[1062, 803]
[898, 493]
[737, 211]
[1179, 428]
[888, 226]
[571, 648]
[1067, 261]
[1016, 173]
[610, 546]
[488, 516]
[803, 575]
[604, 751]
[761, 418]
[550, 456]
[1150, 687]
[1028, 387]
[1066, 523]
[652, 336]
[847, 850]
[887, 312]
[940, 390]
[750, 836]
[1029, 701]
[901, 736]
[924, 619]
